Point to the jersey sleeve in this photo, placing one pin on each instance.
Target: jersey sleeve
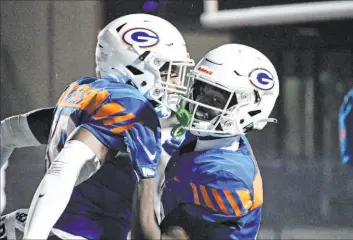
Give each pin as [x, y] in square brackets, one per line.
[114, 116]
[346, 129]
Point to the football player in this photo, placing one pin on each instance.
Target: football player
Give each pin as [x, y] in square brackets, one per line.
[87, 190]
[213, 186]
[346, 129]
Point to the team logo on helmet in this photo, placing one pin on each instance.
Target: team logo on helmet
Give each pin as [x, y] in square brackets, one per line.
[262, 79]
[142, 36]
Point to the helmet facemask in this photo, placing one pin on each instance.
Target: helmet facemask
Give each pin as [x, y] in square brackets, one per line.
[170, 84]
[215, 110]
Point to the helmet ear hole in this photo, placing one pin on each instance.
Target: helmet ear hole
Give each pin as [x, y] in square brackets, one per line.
[120, 27]
[253, 113]
[241, 121]
[257, 96]
[144, 83]
[134, 70]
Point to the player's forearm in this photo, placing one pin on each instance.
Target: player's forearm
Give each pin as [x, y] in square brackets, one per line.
[144, 225]
[49, 202]
[54, 192]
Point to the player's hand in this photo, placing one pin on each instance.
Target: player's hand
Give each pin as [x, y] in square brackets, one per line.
[170, 146]
[144, 149]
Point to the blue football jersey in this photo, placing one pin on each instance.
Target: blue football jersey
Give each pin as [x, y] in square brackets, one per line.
[346, 129]
[221, 186]
[100, 207]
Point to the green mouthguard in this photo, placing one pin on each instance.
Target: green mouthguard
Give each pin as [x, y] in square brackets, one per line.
[184, 118]
[177, 131]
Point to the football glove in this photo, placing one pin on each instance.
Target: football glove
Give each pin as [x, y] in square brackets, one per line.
[144, 149]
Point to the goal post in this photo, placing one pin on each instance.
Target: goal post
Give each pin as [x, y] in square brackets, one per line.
[212, 17]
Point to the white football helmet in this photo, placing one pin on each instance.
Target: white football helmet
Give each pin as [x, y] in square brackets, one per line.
[148, 51]
[232, 90]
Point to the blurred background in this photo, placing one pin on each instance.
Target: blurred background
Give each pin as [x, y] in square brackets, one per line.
[308, 194]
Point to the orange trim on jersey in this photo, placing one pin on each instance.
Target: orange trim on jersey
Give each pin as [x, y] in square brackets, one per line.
[196, 195]
[258, 191]
[207, 198]
[245, 198]
[119, 119]
[84, 98]
[122, 128]
[232, 202]
[219, 201]
[107, 110]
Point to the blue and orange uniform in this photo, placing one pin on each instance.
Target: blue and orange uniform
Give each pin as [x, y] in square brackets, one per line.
[346, 129]
[100, 207]
[213, 193]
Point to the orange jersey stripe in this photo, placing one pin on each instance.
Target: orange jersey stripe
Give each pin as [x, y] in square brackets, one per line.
[107, 110]
[245, 198]
[207, 198]
[232, 202]
[258, 191]
[119, 119]
[219, 201]
[196, 195]
[122, 128]
[98, 99]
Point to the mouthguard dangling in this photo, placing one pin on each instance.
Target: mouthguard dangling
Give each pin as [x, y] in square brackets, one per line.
[184, 118]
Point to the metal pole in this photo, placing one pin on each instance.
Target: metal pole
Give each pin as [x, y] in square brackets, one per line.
[275, 15]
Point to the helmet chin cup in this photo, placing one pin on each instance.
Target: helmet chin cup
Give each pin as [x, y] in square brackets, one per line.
[155, 94]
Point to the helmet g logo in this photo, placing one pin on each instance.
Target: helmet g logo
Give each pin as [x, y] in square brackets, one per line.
[142, 36]
[262, 79]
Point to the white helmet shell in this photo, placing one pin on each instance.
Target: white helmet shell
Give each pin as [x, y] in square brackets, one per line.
[136, 46]
[248, 76]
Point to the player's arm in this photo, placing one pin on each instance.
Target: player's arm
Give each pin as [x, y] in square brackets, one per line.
[144, 148]
[144, 224]
[54, 192]
[104, 129]
[25, 130]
